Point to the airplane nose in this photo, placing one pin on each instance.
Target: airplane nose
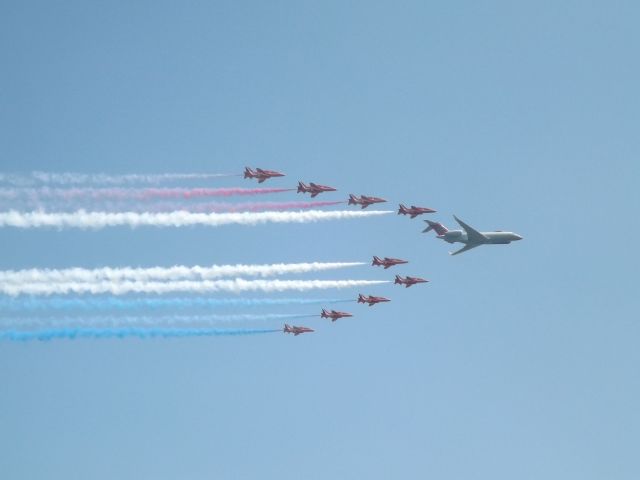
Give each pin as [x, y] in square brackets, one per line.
[518, 237]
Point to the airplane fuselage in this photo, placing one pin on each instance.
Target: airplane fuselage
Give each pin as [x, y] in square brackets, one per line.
[496, 238]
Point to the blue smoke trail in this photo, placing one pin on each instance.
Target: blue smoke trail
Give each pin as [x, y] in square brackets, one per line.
[21, 304]
[137, 321]
[143, 333]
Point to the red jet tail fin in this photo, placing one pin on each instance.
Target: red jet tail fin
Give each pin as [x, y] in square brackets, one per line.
[352, 199]
[437, 226]
[376, 261]
[301, 187]
[398, 281]
[402, 209]
[248, 173]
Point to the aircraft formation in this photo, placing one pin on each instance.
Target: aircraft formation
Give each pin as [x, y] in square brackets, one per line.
[468, 236]
[181, 210]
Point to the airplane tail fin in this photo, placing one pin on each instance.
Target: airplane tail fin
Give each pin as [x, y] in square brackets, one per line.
[248, 173]
[352, 199]
[397, 279]
[376, 261]
[360, 298]
[287, 328]
[437, 226]
[301, 187]
[402, 209]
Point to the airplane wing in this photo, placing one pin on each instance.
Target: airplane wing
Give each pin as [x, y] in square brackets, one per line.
[313, 195]
[468, 246]
[414, 215]
[473, 235]
[262, 179]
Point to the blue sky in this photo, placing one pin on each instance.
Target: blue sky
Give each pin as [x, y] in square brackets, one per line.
[516, 361]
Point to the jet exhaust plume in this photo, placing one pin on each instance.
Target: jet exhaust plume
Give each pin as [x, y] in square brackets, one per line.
[177, 272]
[71, 178]
[130, 332]
[237, 285]
[97, 220]
[102, 304]
[61, 205]
[138, 321]
[241, 207]
[140, 194]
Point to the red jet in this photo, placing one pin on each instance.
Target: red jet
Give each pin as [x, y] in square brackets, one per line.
[386, 262]
[333, 315]
[371, 300]
[261, 174]
[414, 211]
[408, 281]
[296, 330]
[314, 189]
[364, 200]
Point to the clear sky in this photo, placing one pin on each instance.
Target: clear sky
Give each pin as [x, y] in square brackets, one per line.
[516, 361]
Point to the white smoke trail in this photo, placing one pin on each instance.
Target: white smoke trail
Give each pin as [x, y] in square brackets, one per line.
[237, 285]
[177, 272]
[70, 178]
[97, 220]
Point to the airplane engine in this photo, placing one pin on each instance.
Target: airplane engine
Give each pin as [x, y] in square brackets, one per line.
[452, 236]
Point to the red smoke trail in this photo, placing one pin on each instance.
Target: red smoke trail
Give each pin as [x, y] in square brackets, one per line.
[40, 194]
[239, 207]
[190, 193]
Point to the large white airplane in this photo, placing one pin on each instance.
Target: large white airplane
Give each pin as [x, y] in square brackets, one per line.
[471, 237]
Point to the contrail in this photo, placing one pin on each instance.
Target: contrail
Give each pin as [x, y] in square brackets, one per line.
[98, 304]
[177, 272]
[69, 194]
[70, 178]
[143, 333]
[97, 220]
[237, 285]
[133, 321]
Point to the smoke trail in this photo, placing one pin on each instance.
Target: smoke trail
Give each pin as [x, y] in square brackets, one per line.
[98, 304]
[165, 273]
[96, 220]
[143, 333]
[137, 321]
[241, 207]
[70, 178]
[69, 194]
[237, 285]
[57, 205]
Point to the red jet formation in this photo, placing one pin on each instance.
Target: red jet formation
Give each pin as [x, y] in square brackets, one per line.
[296, 330]
[371, 300]
[314, 189]
[364, 200]
[333, 315]
[414, 211]
[408, 281]
[261, 174]
[386, 262]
